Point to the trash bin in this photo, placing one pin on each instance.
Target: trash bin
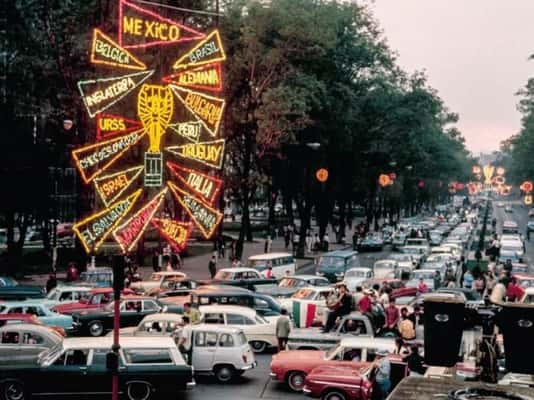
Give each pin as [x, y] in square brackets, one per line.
[516, 322]
[443, 322]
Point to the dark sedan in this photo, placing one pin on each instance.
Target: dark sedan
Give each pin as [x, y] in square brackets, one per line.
[132, 310]
[11, 290]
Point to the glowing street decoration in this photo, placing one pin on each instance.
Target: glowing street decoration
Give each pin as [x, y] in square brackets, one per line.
[205, 217]
[111, 187]
[321, 175]
[129, 232]
[109, 125]
[153, 169]
[528, 199]
[205, 77]
[384, 180]
[188, 130]
[175, 232]
[93, 230]
[207, 109]
[500, 171]
[527, 186]
[208, 51]
[105, 51]
[139, 27]
[488, 171]
[208, 153]
[476, 170]
[100, 94]
[202, 185]
[155, 107]
[92, 160]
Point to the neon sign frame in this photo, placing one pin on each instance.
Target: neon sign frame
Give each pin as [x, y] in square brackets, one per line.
[138, 65]
[175, 168]
[123, 189]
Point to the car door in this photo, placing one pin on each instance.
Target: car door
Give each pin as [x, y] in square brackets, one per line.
[31, 345]
[10, 346]
[204, 349]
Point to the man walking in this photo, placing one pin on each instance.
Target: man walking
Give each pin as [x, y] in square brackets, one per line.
[212, 266]
[383, 373]
[283, 328]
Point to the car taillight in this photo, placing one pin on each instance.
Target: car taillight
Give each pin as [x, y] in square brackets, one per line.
[244, 358]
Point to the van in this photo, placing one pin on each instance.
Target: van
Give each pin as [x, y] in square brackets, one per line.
[282, 263]
[334, 264]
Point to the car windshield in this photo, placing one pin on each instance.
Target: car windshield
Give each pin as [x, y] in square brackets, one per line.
[410, 250]
[155, 277]
[384, 265]
[260, 265]
[289, 282]
[223, 275]
[401, 257]
[304, 294]
[332, 261]
[5, 281]
[354, 273]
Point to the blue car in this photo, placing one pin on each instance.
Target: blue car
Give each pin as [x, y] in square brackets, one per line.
[11, 290]
[40, 309]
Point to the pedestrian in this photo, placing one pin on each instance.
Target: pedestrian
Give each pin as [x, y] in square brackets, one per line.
[358, 295]
[415, 362]
[365, 303]
[269, 270]
[296, 242]
[51, 283]
[422, 287]
[283, 328]
[468, 280]
[343, 306]
[326, 242]
[437, 280]
[287, 236]
[316, 243]
[479, 284]
[268, 244]
[490, 282]
[406, 326]
[174, 261]
[184, 341]
[383, 373]
[392, 317]
[212, 266]
[155, 261]
[72, 272]
[192, 314]
[309, 241]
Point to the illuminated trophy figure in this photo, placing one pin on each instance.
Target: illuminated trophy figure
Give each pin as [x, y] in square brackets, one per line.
[154, 107]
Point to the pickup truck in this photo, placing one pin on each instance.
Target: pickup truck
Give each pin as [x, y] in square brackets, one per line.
[352, 325]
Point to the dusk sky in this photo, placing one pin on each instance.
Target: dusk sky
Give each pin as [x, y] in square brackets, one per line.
[475, 53]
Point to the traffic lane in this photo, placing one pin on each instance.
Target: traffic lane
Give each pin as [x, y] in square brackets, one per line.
[254, 384]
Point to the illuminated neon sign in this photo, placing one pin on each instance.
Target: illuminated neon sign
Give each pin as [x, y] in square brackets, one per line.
[207, 109]
[111, 187]
[175, 232]
[155, 107]
[100, 94]
[202, 185]
[188, 130]
[208, 153]
[205, 77]
[109, 125]
[139, 27]
[205, 217]
[92, 160]
[93, 230]
[208, 51]
[128, 233]
[488, 171]
[105, 51]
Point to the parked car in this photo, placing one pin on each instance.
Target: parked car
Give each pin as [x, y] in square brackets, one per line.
[96, 299]
[282, 263]
[66, 294]
[405, 261]
[11, 290]
[132, 310]
[418, 254]
[312, 299]
[22, 343]
[355, 276]
[339, 382]
[101, 277]
[292, 366]
[426, 274]
[40, 310]
[220, 350]
[289, 285]
[435, 237]
[398, 287]
[158, 324]
[155, 280]
[172, 284]
[247, 278]
[385, 269]
[334, 264]
[80, 367]
[399, 240]
[371, 242]
[525, 280]
[10, 319]
[260, 333]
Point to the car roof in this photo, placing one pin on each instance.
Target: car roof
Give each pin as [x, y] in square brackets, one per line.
[74, 288]
[31, 327]
[364, 269]
[27, 302]
[125, 341]
[340, 253]
[162, 316]
[249, 312]
[304, 277]
[168, 273]
[440, 248]
[365, 341]
[529, 290]
[269, 256]
[238, 269]
[221, 289]
[214, 328]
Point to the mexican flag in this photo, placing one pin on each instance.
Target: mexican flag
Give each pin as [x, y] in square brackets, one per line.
[303, 313]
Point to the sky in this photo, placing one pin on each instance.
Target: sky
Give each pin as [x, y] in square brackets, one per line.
[475, 53]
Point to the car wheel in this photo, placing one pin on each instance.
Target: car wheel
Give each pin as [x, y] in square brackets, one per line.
[257, 346]
[224, 373]
[96, 328]
[138, 391]
[334, 395]
[295, 380]
[13, 390]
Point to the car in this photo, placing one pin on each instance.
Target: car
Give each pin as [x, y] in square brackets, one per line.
[509, 254]
[334, 264]
[66, 294]
[96, 299]
[260, 333]
[405, 261]
[508, 208]
[22, 343]
[292, 366]
[470, 297]
[373, 241]
[385, 269]
[155, 280]
[398, 287]
[158, 324]
[132, 310]
[9, 319]
[40, 310]
[339, 382]
[524, 280]
[500, 204]
[80, 365]
[312, 299]
[282, 263]
[426, 274]
[355, 276]
[222, 351]
[10, 289]
[96, 277]
[399, 240]
[510, 227]
[418, 254]
[247, 278]
[354, 324]
[173, 284]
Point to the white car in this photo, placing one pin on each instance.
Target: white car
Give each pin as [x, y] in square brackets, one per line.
[282, 263]
[426, 274]
[260, 332]
[528, 297]
[385, 269]
[316, 296]
[158, 324]
[355, 276]
[66, 294]
[406, 261]
[155, 281]
[237, 274]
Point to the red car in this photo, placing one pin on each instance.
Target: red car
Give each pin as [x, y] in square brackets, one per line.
[397, 286]
[97, 299]
[347, 382]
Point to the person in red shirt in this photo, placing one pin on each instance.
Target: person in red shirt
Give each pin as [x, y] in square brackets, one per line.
[514, 292]
[364, 305]
[269, 271]
[422, 287]
[392, 317]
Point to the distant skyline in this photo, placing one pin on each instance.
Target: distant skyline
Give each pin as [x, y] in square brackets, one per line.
[475, 53]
